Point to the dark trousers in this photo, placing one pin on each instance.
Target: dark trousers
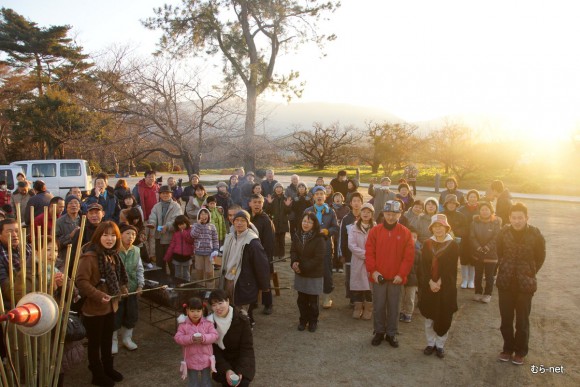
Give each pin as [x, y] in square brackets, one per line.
[488, 269]
[515, 304]
[362, 295]
[160, 250]
[308, 307]
[348, 293]
[328, 284]
[280, 244]
[414, 185]
[128, 313]
[100, 336]
[336, 264]
[292, 227]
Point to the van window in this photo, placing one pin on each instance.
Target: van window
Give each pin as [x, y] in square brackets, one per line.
[44, 170]
[70, 169]
[6, 175]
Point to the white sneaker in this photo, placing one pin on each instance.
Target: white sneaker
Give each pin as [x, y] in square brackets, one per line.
[471, 285]
[478, 297]
[115, 346]
[326, 301]
[464, 284]
[486, 299]
[128, 340]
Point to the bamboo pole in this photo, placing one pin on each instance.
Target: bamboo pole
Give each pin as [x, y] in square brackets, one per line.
[3, 377]
[35, 287]
[12, 327]
[142, 291]
[66, 311]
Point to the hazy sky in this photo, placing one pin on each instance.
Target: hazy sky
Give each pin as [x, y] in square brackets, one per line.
[516, 61]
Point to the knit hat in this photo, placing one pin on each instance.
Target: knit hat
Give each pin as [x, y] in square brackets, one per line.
[126, 226]
[386, 178]
[243, 214]
[318, 188]
[303, 185]
[488, 205]
[368, 206]
[70, 198]
[431, 199]
[441, 219]
[221, 184]
[451, 198]
[278, 185]
[393, 206]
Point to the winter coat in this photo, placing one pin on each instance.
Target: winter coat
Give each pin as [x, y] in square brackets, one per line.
[299, 204]
[187, 193]
[310, 256]
[467, 251]
[349, 192]
[278, 211]
[503, 206]
[381, 195]
[246, 192]
[340, 211]
[484, 234]
[131, 258]
[407, 200]
[458, 223]
[292, 192]
[345, 226]
[412, 278]
[329, 221]
[38, 202]
[21, 200]
[181, 243]
[120, 193]
[205, 238]
[193, 206]
[521, 256]
[339, 186]
[459, 194]
[238, 354]
[390, 252]
[236, 194]
[224, 200]
[156, 219]
[359, 278]
[268, 187]
[265, 228]
[217, 219]
[108, 201]
[64, 227]
[197, 355]
[442, 304]
[176, 192]
[254, 272]
[146, 196]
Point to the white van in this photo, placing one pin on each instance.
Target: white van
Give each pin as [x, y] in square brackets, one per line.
[8, 174]
[58, 175]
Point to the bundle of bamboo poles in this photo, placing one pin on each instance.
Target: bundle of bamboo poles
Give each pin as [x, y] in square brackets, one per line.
[41, 355]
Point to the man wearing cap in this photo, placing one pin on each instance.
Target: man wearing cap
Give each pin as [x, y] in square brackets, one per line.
[146, 192]
[390, 252]
[40, 200]
[104, 194]
[265, 229]
[329, 229]
[95, 215]
[381, 194]
[245, 268]
[521, 249]
[268, 183]
[68, 224]
[161, 221]
[20, 197]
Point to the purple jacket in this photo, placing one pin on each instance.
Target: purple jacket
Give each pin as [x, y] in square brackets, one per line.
[205, 238]
[197, 356]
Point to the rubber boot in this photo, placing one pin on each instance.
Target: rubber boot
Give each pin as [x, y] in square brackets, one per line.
[464, 276]
[368, 310]
[127, 335]
[471, 277]
[99, 376]
[115, 346]
[358, 310]
[110, 371]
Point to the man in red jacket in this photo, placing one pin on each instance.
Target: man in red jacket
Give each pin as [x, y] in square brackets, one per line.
[390, 252]
[146, 191]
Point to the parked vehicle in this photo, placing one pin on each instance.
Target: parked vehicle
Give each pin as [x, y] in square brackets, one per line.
[8, 174]
[58, 175]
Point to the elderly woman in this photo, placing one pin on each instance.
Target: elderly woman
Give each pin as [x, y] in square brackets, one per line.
[102, 279]
[437, 284]
[234, 349]
[307, 260]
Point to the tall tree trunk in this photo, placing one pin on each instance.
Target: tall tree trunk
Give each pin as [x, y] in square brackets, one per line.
[250, 129]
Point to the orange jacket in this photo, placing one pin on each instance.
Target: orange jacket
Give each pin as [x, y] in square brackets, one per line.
[390, 252]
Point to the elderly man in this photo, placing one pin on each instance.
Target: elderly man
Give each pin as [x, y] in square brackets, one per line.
[521, 249]
[329, 229]
[389, 253]
[20, 197]
[245, 268]
[68, 225]
[381, 194]
[268, 183]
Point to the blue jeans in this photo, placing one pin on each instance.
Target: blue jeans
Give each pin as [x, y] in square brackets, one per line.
[182, 269]
[197, 378]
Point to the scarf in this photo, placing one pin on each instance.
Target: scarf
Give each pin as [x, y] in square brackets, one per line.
[164, 209]
[306, 236]
[113, 276]
[223, 326]
[233, 251]
[437, 248]
[319, 211]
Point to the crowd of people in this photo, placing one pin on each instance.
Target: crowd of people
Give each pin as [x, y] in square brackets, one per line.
[396, 252]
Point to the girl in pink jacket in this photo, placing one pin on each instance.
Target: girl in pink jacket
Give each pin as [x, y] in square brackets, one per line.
[196, 335]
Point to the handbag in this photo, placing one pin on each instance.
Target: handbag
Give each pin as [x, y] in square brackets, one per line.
[75, 330]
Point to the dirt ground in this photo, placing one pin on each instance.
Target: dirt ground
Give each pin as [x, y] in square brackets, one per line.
[340, 353]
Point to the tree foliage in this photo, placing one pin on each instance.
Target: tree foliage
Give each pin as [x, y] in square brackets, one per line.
[324, 146]
[249, 35]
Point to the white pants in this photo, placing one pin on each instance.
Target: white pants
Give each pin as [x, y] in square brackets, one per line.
[433, 340]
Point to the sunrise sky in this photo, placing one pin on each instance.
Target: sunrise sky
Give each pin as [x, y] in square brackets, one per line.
[514, 62]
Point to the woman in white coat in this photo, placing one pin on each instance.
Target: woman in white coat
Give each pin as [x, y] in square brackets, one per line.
[359, 279]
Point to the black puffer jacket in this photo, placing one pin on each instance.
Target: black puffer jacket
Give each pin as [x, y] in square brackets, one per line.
[309, 256]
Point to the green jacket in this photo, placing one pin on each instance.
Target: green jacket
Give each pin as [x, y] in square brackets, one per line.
[132, 260]
[219, 222]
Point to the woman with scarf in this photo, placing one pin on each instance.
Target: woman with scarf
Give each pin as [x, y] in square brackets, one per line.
[307, 260]
[102, 279]
[234, 348]
[437, 284]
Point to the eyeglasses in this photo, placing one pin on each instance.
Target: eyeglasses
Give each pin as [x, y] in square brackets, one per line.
[307, 222]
